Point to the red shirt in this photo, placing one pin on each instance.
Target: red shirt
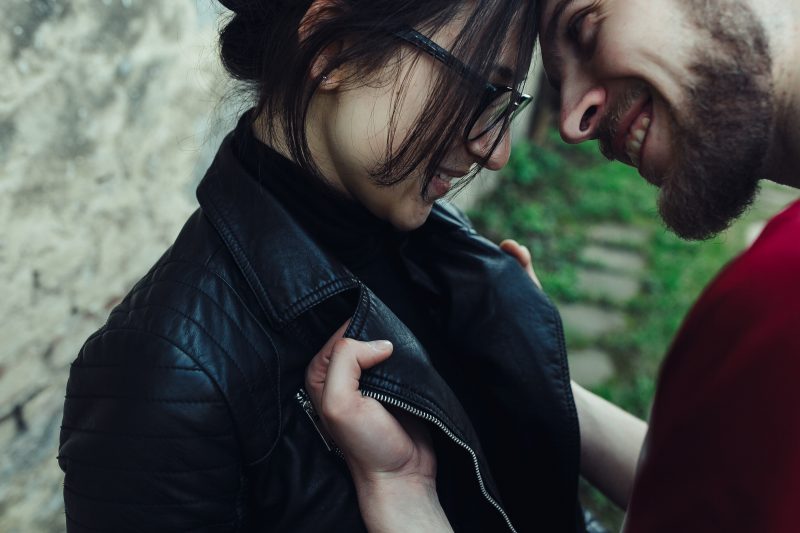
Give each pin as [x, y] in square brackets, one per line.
[723, 450]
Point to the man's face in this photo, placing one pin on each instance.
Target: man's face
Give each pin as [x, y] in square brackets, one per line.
[679, 89]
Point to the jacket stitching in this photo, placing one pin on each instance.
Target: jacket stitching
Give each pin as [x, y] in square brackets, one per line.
[250, 388]
[151, 283]
[565, 378]
[170, 342]
[219, 307]
[318, 294]
[275, 379]
[237, 252]
[360, 316]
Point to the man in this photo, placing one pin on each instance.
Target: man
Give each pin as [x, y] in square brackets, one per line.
[701, 96]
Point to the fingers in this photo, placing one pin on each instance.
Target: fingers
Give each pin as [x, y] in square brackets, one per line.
[517, 251]
[332, 375]
[523, 257]
[348, 358]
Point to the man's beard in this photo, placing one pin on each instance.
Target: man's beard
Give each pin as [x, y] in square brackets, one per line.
[721, 132]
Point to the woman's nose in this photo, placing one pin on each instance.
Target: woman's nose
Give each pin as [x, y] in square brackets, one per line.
[495, 158]
[581, 114]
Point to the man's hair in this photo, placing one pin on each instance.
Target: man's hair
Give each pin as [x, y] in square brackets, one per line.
[260, 45]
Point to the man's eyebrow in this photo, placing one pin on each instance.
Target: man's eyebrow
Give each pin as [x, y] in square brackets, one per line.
[550, 38]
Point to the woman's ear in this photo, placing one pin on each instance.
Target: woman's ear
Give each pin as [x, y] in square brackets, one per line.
[318, 12]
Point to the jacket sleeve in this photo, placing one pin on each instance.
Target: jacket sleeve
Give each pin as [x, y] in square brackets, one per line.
[148, 443]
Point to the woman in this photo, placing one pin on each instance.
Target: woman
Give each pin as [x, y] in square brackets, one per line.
[187, 411]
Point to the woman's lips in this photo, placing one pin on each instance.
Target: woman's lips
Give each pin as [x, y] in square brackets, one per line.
[439, 186]
[441, 182]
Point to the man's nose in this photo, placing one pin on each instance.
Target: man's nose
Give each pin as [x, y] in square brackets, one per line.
[581, 113]
[498, 157]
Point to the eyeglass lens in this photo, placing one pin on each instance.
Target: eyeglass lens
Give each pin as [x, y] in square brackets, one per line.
[499, 112]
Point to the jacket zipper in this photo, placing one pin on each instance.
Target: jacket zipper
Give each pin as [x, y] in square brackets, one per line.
[383, 398]
[305, 402]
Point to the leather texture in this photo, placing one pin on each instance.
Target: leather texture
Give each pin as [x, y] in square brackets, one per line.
[181, 412]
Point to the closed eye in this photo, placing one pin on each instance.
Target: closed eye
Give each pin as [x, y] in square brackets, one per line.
[582, 33]
[574, 28]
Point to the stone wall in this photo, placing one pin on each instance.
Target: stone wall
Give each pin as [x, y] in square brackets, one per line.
[109, 113]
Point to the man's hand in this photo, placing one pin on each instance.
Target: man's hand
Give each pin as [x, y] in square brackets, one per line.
[523, 257]
[390, 455]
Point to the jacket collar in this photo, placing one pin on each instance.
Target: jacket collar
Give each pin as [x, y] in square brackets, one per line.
[257, 229]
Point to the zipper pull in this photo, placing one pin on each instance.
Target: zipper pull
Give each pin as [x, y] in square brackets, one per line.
[305, 402]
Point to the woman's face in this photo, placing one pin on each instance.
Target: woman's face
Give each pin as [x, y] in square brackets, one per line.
[350, 134]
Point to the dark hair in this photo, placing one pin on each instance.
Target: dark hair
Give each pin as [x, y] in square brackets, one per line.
[260, 45]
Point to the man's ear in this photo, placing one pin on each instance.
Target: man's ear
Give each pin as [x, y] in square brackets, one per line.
[318, 12]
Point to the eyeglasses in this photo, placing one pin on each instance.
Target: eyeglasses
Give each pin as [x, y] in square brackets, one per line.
[499, 104]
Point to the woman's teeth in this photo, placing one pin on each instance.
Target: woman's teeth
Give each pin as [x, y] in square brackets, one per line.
[633, 144]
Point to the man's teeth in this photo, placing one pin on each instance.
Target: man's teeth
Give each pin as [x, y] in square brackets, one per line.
[633, 144]
[445, 177]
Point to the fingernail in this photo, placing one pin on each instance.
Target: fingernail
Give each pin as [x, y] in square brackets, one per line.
[380, 346]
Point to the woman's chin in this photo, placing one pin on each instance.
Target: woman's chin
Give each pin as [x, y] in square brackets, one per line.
[412, 218]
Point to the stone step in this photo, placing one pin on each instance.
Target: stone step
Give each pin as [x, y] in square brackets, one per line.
[589, 321]
[614, 259]
[590, 367]
[618, 234]
[617, 288]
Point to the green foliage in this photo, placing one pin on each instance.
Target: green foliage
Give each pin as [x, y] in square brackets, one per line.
[550, 197]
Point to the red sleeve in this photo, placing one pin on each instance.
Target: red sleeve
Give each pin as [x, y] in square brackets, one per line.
[723, 452]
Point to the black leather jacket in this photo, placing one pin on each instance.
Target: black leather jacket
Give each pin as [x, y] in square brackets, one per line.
[185, 411]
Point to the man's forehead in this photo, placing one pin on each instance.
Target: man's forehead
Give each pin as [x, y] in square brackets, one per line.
[546, 10]
[550, 14]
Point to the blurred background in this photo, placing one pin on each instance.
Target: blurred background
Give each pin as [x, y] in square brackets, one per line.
[110, 112]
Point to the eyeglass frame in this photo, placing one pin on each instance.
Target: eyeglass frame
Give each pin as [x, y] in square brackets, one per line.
[491, 91]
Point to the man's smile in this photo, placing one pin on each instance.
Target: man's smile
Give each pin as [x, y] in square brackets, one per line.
[631, 131]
